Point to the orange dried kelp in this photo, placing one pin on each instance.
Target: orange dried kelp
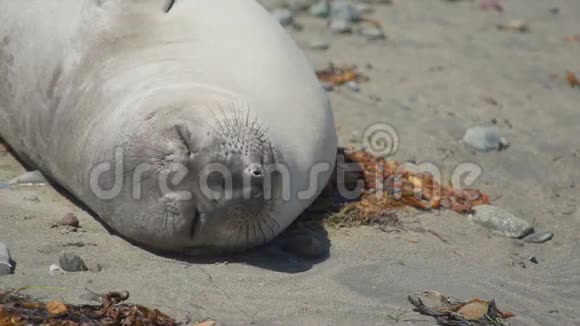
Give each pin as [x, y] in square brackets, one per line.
[572, 79]
[17, 309]
[419, 190]
[335, 76]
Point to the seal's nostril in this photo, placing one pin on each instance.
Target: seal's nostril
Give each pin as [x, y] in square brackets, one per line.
[255, 170]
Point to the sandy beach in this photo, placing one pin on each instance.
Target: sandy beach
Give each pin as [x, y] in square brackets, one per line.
[443, 68]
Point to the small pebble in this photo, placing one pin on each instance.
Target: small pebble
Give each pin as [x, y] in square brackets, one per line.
[515, 26]
[539, 237]
[372, 33]
[340, 26]
[6, 262]
[55, 269]
[319, 9]
[501, 222]
[344, 10]
[72, 263]
[318, 45]
[353, 86]
[533, 259]
[69, 219]
[284, 16]
[485, 139]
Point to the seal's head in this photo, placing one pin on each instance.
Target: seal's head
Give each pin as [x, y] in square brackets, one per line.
[209, 181]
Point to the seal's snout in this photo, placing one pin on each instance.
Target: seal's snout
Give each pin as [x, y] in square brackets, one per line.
[255, 170]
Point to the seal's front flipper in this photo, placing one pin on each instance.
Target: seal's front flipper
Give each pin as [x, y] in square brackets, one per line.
[32, 177]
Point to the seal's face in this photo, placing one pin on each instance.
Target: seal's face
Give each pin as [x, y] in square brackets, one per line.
[226, 186]
[234, 190]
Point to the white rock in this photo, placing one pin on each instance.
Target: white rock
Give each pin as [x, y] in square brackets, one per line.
[354, 86]
[485, 139]
[340, 26]
[372, 33]
[55, 269]
[501, 222]
[318, 45]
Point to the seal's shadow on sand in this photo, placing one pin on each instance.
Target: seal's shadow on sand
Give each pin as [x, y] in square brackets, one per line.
[302, 245]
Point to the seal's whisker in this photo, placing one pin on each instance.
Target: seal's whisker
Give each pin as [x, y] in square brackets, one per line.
[164, 218]
[271, 218]
[272, 232]
[255, 229]
[262, 231]
[247, 230]
[207, 124]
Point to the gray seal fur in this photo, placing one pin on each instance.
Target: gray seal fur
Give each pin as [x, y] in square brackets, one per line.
[167, 88]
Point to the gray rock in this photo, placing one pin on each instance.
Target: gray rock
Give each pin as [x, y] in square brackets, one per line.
[372, 33]
[6, 262]
[318, 45]
[72, 263]
[533, 259]
[320, 9]
[340, 26]
[485, 139]
[344, 10]
[539, 237]
[284, 16]
[501, 222]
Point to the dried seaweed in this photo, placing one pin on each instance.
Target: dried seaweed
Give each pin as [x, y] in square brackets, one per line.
[416, 189]
[335, 76]
[17, 309]
[377, 204]
[449, 312]
[572, 79]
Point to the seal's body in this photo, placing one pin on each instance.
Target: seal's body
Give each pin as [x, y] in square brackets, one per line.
[135, 106]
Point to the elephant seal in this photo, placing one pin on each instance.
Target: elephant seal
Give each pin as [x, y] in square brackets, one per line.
[195, 127]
